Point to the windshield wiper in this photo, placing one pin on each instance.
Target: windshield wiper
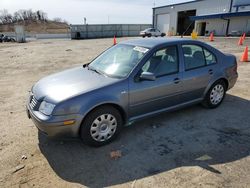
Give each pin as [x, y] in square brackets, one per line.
[95, 70]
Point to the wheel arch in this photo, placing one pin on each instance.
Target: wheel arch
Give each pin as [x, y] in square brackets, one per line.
[211, 83]
[226, 82]
[114, 105]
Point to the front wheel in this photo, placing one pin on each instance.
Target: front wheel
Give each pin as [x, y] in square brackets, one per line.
[101, 126]
[215, 95]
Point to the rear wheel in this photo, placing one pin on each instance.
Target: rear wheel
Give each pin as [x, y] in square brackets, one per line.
[215, 95]
[150, 35]
[101, 126]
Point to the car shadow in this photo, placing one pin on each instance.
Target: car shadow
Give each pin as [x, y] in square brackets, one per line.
[192, 136]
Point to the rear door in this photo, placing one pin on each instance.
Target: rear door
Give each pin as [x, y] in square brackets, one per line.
[149, 96]
[199, 67]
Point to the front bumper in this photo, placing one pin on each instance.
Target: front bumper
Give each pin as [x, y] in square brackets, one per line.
[53, 126]
[143, 34]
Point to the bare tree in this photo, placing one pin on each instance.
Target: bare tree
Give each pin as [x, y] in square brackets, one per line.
[5, 17]
[17, 17]
[25, 15]
[43, 15]
[58, 20]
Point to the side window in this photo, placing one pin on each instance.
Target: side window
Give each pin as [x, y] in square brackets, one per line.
[163, 62]
[210, 58]
[193, 56]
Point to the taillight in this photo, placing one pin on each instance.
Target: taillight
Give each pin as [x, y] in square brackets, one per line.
[235, 69]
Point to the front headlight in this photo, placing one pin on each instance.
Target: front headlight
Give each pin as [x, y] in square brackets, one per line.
[46, 108]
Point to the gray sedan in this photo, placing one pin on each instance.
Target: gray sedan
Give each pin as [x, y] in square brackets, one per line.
[130, 81]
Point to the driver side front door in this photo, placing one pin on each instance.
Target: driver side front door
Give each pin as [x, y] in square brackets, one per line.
[151, 96]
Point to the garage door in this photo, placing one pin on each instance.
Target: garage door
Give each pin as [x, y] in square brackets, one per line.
[163, 21]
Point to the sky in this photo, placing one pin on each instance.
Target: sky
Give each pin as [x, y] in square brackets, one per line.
[95, 11]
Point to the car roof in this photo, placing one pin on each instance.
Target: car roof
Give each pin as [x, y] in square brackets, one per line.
[154, 42]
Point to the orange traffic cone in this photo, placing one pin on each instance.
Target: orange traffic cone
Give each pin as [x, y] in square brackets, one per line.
[244, 57]
[244, 36]
[211, 37]
[240, 41]
[115, 40]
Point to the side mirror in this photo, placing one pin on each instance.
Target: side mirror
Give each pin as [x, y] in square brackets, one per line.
[147, 76]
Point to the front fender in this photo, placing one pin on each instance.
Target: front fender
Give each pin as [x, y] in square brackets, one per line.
[120, 101]
[114, 94]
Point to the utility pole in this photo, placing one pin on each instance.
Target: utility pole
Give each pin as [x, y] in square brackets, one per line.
[228, 20]
[153, 14]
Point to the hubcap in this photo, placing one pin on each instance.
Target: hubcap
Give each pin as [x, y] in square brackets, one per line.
[217, 94]
[103, 127]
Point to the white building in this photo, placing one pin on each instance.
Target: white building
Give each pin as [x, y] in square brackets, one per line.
[222, 17]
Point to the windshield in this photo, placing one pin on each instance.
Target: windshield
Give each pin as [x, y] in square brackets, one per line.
[119, 60]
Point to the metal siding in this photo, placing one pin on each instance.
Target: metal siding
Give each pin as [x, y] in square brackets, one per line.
[239, 24]
[242, 9]
[241, 2]
[107, 30]
[217, 25]
[213, 7]
[202, 8]
[163, 22]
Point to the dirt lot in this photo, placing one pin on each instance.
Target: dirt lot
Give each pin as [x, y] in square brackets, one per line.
[193, 147]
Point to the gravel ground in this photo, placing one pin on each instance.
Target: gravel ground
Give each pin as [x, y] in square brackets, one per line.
[192, 147]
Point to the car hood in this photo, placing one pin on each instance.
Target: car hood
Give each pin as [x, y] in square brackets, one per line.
[69, 83]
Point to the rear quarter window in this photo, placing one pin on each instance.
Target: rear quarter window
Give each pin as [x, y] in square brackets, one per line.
[210, 57]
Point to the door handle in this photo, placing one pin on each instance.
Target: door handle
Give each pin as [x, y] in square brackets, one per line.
[176, 80]
[210, 71]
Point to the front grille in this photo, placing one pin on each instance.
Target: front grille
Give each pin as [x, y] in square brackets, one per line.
[33, 103]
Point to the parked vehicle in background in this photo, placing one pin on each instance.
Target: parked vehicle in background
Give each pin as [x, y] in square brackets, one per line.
[151, 32]
[130, 81]
[4, 38]
[235, 33]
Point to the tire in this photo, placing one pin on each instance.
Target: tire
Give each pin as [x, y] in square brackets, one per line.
[101, 126]
[149, 35]
[143, 36]
[215, 95]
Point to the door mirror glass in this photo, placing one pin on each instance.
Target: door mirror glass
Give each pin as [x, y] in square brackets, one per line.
[147, 76]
